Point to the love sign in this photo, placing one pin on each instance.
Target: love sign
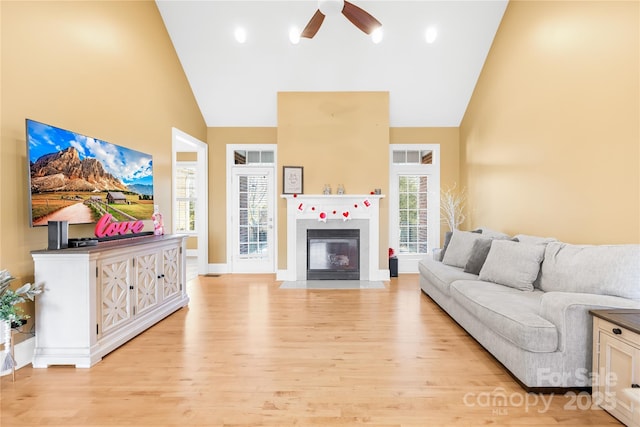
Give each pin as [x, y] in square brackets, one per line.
[106, 228]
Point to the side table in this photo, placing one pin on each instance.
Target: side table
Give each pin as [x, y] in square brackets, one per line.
[9, 359]
[616, 363]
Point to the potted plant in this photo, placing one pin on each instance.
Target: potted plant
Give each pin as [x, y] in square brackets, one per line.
[10, 312]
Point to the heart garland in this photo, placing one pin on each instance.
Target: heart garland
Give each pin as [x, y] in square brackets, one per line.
[323, 216]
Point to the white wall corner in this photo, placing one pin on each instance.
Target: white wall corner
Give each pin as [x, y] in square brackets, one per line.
[384, 275]
[282, 275]
[221, 268]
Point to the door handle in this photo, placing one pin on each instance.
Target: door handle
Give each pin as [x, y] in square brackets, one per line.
[617, 331]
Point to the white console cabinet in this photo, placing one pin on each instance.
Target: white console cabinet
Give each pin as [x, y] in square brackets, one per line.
[97, 298]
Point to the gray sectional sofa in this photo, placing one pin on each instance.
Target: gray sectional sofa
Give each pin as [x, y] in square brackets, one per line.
[526, 299]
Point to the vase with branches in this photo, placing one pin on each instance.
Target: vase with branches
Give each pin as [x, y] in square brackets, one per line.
[452, 205]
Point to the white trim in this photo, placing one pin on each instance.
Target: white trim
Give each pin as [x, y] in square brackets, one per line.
[192, 252]
[231, 148]
[218, 268]
[408, 263]
[183, 142]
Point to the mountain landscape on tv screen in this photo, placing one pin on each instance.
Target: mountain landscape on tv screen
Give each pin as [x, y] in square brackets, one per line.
[79, 179]
[64, 171]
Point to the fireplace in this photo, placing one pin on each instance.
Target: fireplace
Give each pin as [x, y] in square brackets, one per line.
[333, 212]
[333, 254]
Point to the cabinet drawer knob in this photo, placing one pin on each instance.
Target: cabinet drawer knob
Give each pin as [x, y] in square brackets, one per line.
[617, 331]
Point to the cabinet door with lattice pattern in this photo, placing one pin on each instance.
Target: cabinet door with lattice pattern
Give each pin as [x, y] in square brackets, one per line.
[115, 283]
[146, 282]
[171, 273]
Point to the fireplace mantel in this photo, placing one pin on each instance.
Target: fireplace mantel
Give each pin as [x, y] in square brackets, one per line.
[306, 211]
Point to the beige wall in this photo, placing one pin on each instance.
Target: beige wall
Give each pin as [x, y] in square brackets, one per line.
[550, 141]
[219, 137]
[448, 138]
[217, 140]
[106, 69]
[339, 138]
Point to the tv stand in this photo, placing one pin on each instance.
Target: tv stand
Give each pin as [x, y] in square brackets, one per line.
[97, 298]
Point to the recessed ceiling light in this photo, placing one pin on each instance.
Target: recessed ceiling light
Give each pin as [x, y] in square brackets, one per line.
[294, 35]
[240, 35]
[376, 35]
[431, 34]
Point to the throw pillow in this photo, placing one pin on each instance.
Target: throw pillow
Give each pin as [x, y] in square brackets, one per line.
[447, 239]
[512, 264]
[460, 248]
[478, 255]
[493, 234]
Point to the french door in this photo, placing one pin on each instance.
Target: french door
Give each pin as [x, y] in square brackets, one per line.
[252, 220]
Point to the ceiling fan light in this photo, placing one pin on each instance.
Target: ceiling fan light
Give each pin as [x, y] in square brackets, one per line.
[294, 35]
[330, 7]
[377, 35]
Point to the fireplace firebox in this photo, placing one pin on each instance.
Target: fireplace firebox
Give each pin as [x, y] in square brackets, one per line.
[333, 254]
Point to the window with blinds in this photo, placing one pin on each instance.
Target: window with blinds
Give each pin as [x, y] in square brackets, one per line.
[186, 199]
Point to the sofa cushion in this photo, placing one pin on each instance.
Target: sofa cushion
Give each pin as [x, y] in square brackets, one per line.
[603, 269]
[512, 264]
[460, 248]
[508, 312]
[478, 255]
[441, 275]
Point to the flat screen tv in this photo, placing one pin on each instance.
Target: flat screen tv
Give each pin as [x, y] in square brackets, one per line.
[76, 178]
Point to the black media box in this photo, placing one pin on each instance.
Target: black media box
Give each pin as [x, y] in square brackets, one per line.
[82, 242]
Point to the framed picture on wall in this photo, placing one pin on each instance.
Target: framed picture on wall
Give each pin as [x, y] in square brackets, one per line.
[292, 180]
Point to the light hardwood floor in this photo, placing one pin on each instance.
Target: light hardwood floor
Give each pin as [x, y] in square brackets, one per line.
[246, 353]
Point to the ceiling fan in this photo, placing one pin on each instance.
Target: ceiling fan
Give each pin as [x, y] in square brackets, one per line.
[358, 17]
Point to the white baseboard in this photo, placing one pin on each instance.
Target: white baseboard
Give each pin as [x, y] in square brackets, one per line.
[384, 275]
[218, 268]
[284, 275]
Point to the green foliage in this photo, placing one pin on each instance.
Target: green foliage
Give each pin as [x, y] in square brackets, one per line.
[9, 310]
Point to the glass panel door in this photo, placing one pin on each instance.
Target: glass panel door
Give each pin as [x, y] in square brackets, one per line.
[253, 247]
[413, 193]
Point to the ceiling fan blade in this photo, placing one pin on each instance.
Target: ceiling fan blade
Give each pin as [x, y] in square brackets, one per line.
[360, 18]
[313, 26]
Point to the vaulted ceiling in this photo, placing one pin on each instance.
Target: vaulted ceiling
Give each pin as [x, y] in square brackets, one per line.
[236, 84]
